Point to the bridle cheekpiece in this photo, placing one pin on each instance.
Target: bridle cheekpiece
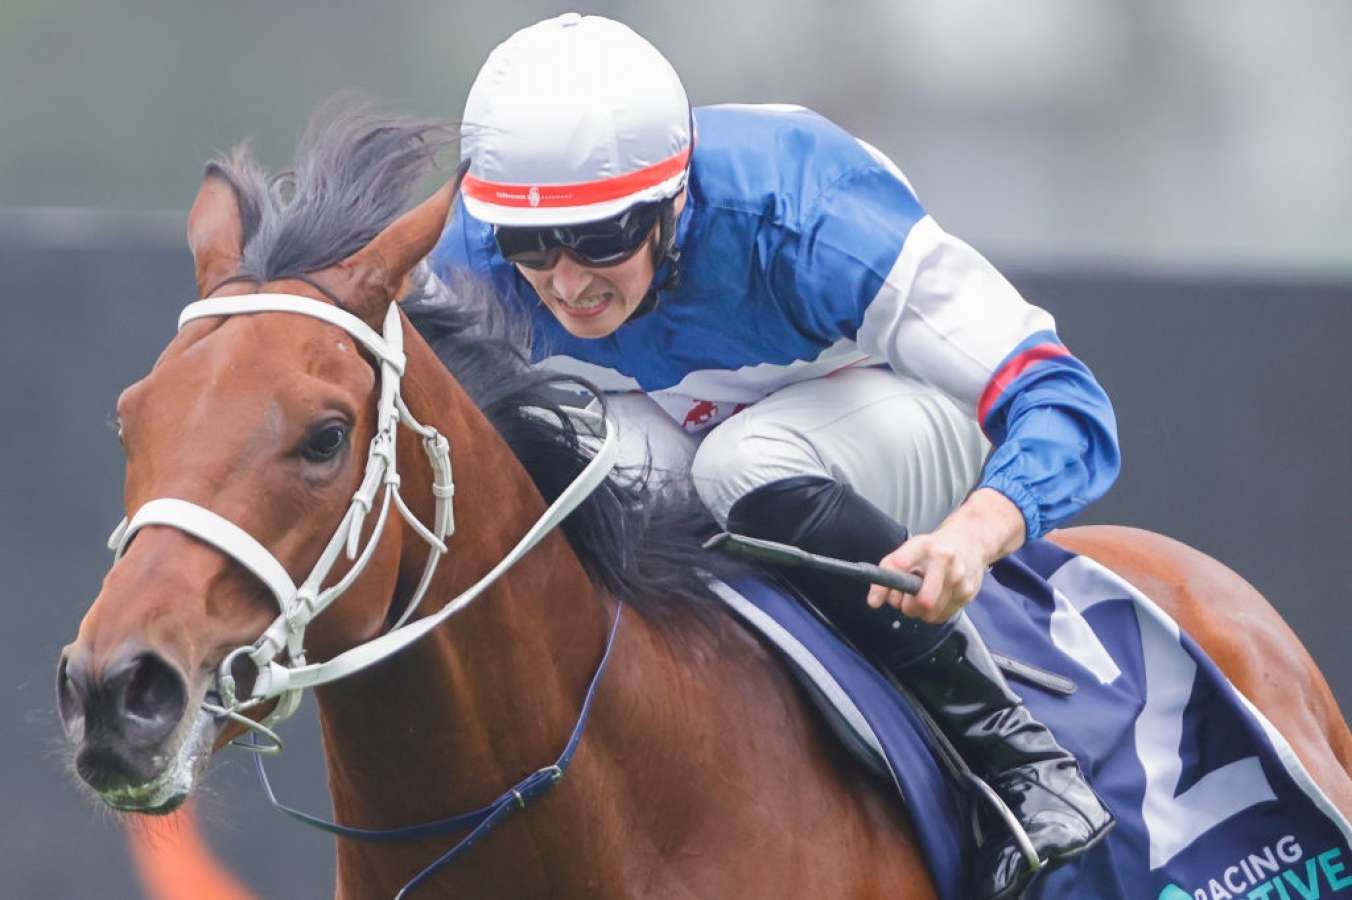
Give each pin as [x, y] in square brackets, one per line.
[300, 604]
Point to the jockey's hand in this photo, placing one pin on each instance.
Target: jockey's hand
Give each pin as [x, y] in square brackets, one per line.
[953, 558]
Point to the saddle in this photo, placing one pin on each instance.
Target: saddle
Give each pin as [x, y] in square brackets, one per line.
[1208, 795]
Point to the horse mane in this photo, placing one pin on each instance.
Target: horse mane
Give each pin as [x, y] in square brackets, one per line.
[637, 537]
[353, 174]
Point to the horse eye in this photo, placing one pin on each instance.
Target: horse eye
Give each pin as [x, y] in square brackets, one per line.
[324, 444]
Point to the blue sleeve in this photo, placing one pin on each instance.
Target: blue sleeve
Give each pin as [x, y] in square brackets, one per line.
[869, 265]
[1054, 431]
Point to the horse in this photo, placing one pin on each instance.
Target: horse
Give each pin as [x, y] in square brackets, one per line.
[704, 771]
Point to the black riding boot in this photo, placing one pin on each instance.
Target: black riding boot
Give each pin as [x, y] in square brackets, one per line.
[948, 669]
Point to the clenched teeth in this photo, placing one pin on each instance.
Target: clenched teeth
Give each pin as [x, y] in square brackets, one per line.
[586, 302]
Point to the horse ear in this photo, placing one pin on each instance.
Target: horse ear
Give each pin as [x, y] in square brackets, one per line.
[215, 232]
[378, 271]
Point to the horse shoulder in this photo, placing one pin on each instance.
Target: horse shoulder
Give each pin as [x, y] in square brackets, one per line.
[730, 766]
[1241, 632]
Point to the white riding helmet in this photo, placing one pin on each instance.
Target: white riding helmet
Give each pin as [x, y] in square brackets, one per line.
[572, 120]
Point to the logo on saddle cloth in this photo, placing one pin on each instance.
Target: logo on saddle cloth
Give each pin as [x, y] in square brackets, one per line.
[1280, 871]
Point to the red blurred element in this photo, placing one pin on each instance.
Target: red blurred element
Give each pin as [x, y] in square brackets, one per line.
[175, 863]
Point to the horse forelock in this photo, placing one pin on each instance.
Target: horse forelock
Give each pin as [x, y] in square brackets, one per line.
[353, 173]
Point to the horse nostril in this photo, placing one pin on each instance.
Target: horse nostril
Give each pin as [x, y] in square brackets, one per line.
[70, 692]
[118, 716]
[153, 696]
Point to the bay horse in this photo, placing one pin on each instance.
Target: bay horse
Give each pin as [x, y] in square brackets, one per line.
[703, 773]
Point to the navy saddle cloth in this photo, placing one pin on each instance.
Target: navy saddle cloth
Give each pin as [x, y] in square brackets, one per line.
[1211, 801]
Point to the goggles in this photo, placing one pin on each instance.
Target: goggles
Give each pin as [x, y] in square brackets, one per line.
[608, 242]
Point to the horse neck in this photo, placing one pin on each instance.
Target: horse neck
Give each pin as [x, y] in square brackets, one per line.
[458, 717]
[455, 720]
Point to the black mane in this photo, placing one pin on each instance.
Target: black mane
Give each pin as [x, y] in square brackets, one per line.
[639, 541]
[353, 174]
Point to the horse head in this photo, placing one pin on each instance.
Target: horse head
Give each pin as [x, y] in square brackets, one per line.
[263, 420]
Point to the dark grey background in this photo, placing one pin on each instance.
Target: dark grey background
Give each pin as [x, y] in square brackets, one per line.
[1171, 179]
[1232, 399]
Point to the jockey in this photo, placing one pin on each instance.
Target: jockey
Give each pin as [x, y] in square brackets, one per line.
[777, 317]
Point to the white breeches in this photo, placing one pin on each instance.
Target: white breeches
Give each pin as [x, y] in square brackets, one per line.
[901, 444]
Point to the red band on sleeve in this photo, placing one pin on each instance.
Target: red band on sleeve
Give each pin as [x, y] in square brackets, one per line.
[1010, 371]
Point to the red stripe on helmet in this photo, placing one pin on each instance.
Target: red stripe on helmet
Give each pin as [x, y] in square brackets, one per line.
[583, 193]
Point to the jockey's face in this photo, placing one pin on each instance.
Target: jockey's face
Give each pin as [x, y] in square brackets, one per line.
[593, 301]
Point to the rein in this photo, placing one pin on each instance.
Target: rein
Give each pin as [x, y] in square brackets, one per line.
[300, 604]
[481, 820]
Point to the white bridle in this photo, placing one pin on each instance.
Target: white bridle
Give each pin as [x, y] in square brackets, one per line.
[300, 605]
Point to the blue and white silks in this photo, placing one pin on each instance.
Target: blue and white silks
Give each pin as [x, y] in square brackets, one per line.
[803, 251]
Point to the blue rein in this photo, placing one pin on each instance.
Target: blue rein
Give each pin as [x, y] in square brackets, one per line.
[481, 820]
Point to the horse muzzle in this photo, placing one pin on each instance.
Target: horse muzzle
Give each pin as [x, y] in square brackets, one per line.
[122, 719]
